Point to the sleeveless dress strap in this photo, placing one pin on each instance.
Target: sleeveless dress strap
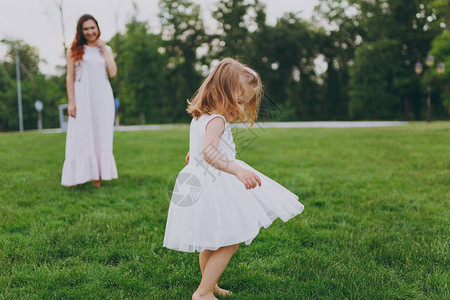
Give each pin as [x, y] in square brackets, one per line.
[208, 119]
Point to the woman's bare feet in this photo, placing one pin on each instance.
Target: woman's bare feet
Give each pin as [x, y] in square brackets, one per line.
[72, 186]
[97, 183]
[222, 292]
[197, 296]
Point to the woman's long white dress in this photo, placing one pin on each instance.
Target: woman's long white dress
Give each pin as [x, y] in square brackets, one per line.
[89, 141]
[210, 209]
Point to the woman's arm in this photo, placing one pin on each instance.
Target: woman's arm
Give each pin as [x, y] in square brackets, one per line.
[70, 79]
[111, 67]
[211, 154]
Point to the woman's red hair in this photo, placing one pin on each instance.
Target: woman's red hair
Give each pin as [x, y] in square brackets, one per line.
[78, 43]
[221, 90]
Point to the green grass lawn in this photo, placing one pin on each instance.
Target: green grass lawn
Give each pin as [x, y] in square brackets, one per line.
[376, 223]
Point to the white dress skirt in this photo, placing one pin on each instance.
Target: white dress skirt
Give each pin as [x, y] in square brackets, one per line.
[89, 141]
[210, 209]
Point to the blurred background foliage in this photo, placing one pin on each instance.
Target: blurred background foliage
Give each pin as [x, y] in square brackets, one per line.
[354, 60]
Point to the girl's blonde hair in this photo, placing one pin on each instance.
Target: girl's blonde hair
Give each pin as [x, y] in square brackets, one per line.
[220, 92]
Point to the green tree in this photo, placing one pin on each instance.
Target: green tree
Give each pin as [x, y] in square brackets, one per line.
[372, 81]
[142, 68]
[411, 23]
[443, 9]
[184, 34]
[339, 39]
[236, 19]
[441, 49]
[8, 112]
[286, 63]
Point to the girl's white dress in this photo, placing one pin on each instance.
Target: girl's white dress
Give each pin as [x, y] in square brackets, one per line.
[210, 209]
[89, 141]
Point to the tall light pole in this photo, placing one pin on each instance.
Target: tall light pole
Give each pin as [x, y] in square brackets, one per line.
[19, 90]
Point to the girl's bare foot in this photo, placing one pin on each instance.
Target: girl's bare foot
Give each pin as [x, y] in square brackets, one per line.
[97, 183]
[72, 186]
[222, 292]
[197, 296]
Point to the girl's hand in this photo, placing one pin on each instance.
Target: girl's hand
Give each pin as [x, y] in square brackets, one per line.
[72, 110]
[187, 158]
[248, 178]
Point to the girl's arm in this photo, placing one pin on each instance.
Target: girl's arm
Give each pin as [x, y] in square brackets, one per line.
[187, 158]
[70, 79]
[111, 67]
[211, 154]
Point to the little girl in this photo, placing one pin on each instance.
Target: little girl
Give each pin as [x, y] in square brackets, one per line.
[219, 201]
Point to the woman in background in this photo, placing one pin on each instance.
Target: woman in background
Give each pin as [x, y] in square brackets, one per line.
[89, 142]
